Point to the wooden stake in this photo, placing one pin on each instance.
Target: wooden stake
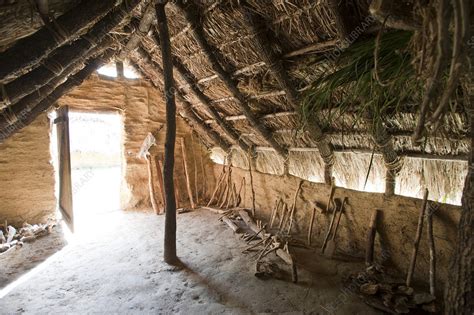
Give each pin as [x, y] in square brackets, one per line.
[218, 186]
[328, 233]
[369, 250]
[293, 206]
[159, 174]
[196, 190]
[203, 173]
[251, 183]
[274, 212]
[151, 186]
[186, 173]
[310, 230]
[431, 243]
[419, 230]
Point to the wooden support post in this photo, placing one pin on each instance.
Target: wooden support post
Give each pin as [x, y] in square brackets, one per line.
[168, 167]
[186, 173]
[416, 243]
[251, 182]
[195, 168]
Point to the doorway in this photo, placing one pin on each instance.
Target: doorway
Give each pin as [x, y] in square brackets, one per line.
[96, 154]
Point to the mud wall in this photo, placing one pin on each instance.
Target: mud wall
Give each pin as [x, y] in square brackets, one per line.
[143, 111]
[27, 175]
[396, 226]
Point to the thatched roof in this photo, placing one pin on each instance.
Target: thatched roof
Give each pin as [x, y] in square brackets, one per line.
[242, 69]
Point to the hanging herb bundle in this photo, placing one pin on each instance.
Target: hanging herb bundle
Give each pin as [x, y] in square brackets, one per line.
[364, 84]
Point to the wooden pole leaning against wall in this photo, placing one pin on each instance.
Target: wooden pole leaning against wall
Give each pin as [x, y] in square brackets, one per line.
[30, 51]
[12, 113]
[73, 81]
[263, 39]
[186, 173]
[170, 256]
[193, 17]
[55, 64]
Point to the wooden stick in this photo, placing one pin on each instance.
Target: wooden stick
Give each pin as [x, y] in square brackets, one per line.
[310, 230]
[231, 224]
[159, 174]
[193, 151]
[328, 233]
[431, 243]
[186, 173]
[274, 212]
[218, 186]
[249, 221]
[419, 230]
[286, 257]
[203, 173]
[293, 206]
[369, 250]
[251, 183]
[283, 217]
[331, 195]
[151, 187]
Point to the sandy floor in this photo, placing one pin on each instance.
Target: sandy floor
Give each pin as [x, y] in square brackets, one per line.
[119, 270]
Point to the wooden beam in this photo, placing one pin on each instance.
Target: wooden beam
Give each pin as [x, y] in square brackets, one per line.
[193, 16]
[263, 38]
[73, 81]
[190, 79]
[30, 51]
[14, 112]
[188, 111]
[55, 64]
[170, 138]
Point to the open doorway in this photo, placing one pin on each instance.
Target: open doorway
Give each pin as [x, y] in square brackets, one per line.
[96, 166]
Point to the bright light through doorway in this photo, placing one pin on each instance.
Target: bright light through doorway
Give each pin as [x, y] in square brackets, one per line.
[96, 163]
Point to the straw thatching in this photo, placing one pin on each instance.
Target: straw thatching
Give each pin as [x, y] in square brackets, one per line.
[245, 71]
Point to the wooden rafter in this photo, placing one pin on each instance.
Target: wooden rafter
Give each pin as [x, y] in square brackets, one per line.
[263, 38]
[51, 99]
[193, 17]
[188, 111]
[55, 64]
[28, 52]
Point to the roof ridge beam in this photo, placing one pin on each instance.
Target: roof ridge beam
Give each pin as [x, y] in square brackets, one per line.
[29, 51]
[262, 38]
[192, 14]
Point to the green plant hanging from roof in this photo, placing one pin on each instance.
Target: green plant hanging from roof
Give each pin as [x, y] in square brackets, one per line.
[354, 85]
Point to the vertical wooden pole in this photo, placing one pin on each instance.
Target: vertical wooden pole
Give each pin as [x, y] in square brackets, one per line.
[186, 173]
[159, 173]
[419, 230]
[193, 152]
[431, 242]
[170, 256]
[151, 186]
[251, 182]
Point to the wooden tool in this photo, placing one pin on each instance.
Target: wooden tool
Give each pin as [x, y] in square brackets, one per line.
[419, 230]
[331, 246]
[328, 233]
[310, 229]
[369, 250]
[429, 218]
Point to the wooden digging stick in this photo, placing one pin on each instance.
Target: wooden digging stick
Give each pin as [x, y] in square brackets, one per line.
[293, 206]
[331, 195]
[274, 212]
[159, 172]
[310, 230]
[283, 216]
[431, 242]
[151, 186]
[186, 173]
[328, 233]
[419, 230]
[369, 250]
